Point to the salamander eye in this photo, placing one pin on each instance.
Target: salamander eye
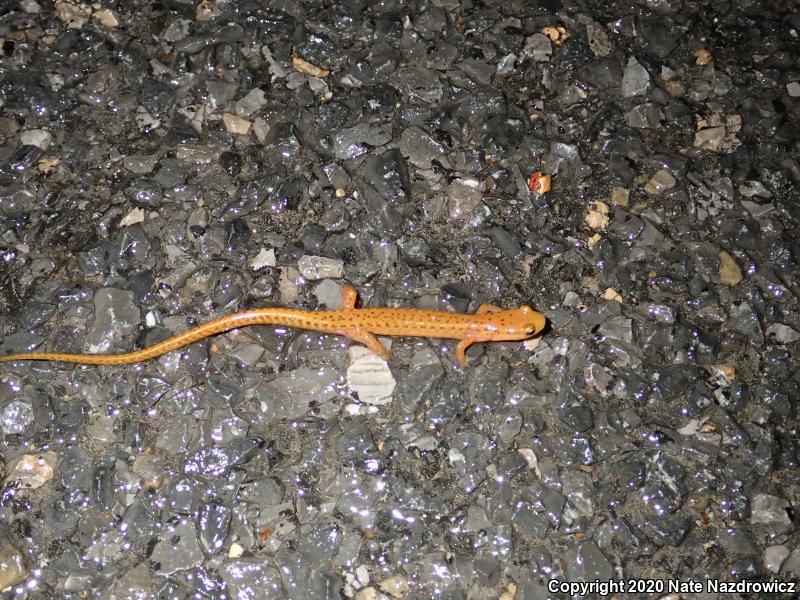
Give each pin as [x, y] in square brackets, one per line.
[530, 330]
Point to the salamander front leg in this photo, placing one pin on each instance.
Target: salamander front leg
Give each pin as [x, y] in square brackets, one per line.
[369, 340]
[485, 309]
[349, 296]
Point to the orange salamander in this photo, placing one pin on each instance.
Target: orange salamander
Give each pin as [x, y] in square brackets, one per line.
[489, 324]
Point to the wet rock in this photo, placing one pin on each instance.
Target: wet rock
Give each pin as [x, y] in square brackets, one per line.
[116, 318]
[369, 377]
[177, 551]
[16, 417]
[291, 395]
[355, 141]
[538, 47]
[463, 197]
[33, 470]
[319, 267]
[729, 272]
[660, 182]
[15, 566]
[598, 39]
[388, 175]
[769, 510]
[647, 115]
[635, 79]
[420, 149]
[586, 562]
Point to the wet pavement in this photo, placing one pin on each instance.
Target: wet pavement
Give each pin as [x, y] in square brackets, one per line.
[166, 163]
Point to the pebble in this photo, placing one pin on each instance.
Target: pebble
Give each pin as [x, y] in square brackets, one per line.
[774, 556]
[116, 317]
[598, 39]
[328, 294]
[596, 216]
[635, 79]
[729, 272]
[420, 148]
[36, 137]
[463, 197]
[251, 103]
[31, 471]
[236, 124]
[178, 550]
[369, 377]
[264, 258]
[15, 567]
[538, 47]
[660, 182]
[318, 267]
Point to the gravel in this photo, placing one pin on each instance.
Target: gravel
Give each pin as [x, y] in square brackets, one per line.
[163, 164]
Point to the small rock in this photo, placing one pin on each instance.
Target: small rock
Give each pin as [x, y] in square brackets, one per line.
[289, 284]
[539, 47]
[420, 148]
[140, 163]
[32, 471]
[30, 6]
[14, 566]
[597, 216]
[463, 196]
[754, 188]
[783, 334]
[106, 17]
[149, 467]
[207, 10]
[612, 294]
[598, 39]
[135, 216]
[251, 103]
[328, 294]
[635, 79]
[367, 593]
[710, 138]
[769, 510]
[178, 549]
[793, 89]
[729, 272]
[116, 317]
[620, 196]
[370, 377]
[235, 124]
[16, 417]
[702, 57]
[774, 557]
[306, 68]
[236, 551]
[396, 586]
[264, 258]
[74, 15]
[662, 180]
[319, 267]
[645, 116]
[36, 137]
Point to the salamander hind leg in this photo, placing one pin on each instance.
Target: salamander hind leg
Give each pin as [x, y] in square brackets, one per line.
[485, 309]
[349, 296]
[461, 351]
[369, 340]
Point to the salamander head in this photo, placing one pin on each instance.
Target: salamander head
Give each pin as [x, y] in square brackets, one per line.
[519, 324]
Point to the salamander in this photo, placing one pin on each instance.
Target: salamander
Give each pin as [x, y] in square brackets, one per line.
[490, 323]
